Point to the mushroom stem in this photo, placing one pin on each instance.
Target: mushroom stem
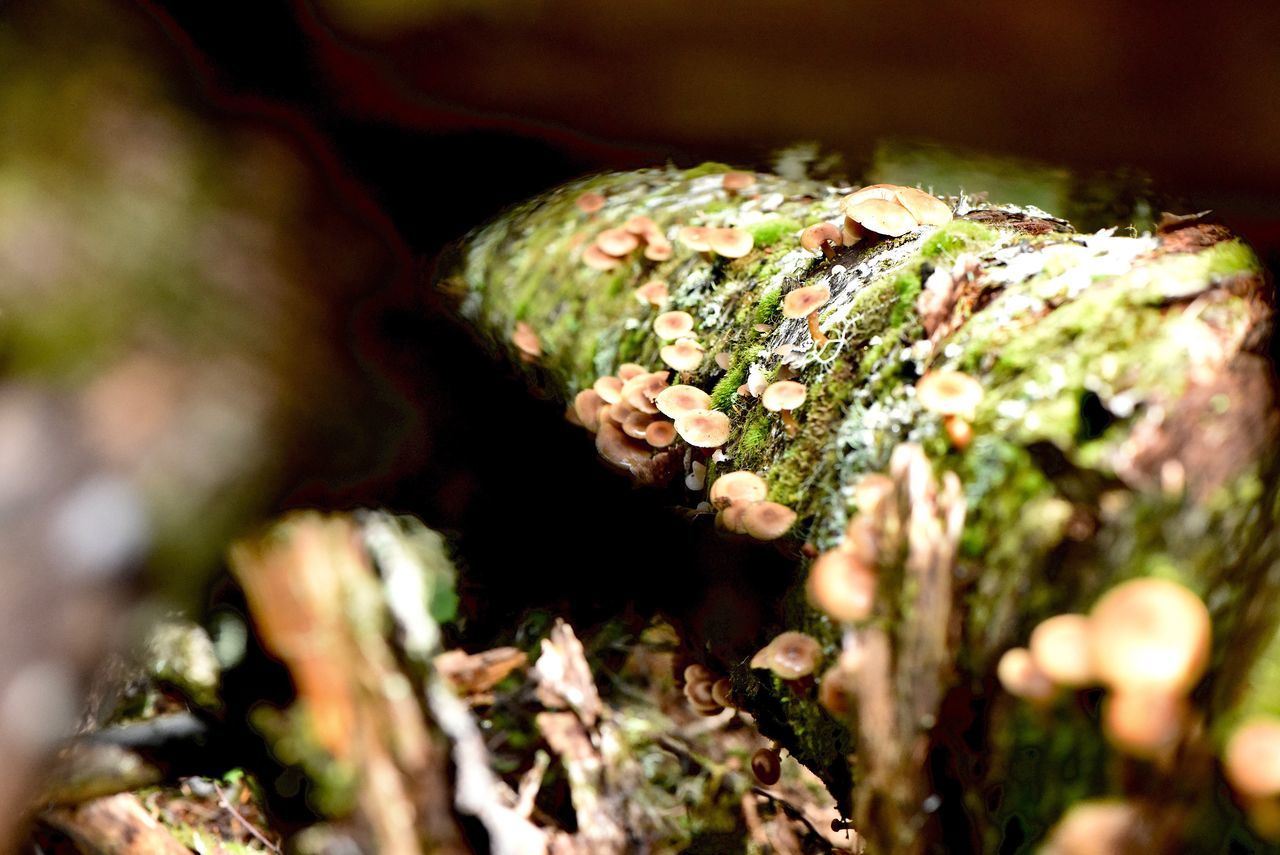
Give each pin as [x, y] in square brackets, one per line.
[789, 422]
[819, 338]
[829, 249]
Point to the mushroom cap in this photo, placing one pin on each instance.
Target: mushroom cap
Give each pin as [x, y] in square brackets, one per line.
[1060, 648]
[722, 691]
[838, 692]
[1251, 759]
[641, 226]
[587, 404]
[1098, 827]
[927, 209]
[740, 486]
[696, 673]
[731, 243]
[767, 520]
[685, 355]
[813, 237]
[627, 370]
[672, 325]
[842, 585]
[699, 693]
[766, 765]
[882, 217]
[791, 655]
[730, 518]
[882, 192]
[1150, 633]
[597, 259]
[660, 433]
[675, 401]
[658, 250]
[1142, 723]
[1021, 678]
[589, 202]
[784, 395]
[872, 491]
[734, 181]
[704, 428]
[800, 302]
[695, 237]
[617, 242]
[641, 390]
[526, 340]
[620, 449]
[609, 388]
[949, 393]
[653, 293]
[636, 424]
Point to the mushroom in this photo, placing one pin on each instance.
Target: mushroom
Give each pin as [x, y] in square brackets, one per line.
[597, 259]
[1018, 673]
[1151, 634]
[640, 391]
[722, 692]
[587, 404]
[660, 434]
[730, 518]
[928, 210]
[609, 388]
[658, 249]
[620, 449]
[697, 673]
[1142, 723]
[636, 424]
[782, 397]
[842, 585]
[730, 243]
[838, 692]
[741, 486]
[821, 236]
[685, 355]
[955, 396]
[1098, 827]
[735, 182]
[628, 370]
[1251, 759]
[653, 293]
[805, 303]
[617, 242]
[880, 216]
[766, 765]
[695, 237]
[589, 203]
[791, 655]
[1060, 648]
[675, 401]
[703, 428]
[724, 359]
[641, 226]
[767, 520]
[673, 325]
[526, 341]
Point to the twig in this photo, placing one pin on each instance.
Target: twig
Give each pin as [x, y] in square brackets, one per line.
[226, 804]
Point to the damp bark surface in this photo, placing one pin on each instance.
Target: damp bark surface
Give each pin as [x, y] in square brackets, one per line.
[1126, 428]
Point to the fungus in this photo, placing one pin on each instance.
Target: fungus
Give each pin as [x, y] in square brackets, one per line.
[640, 391]
[628, 370]
[609, 388]
[675, 401]
[660, 434]
[880, 216]
[685, 355]
[672, 325]
[730, 243]
[766, 765]
[838, 692]
[589, 203]
[730, 518]
[658, 249]
[724, 359]
[696, 673]
[620, 411]
[952, 394]
[641, 226]
[587, 404]
[703, 428]
[1251, 759]
[767, 520]
[617, 242]
[821, 236]
[1142, 723]
[735, 182]
[791, 655]
[927, 209]
[653, 293]
[882, 192]
[734, 487]
[1021, 678]
[783, 397]
[695, 238]
[526, 341]
[697, 477]
[1101, 826]
[597, 259]
[872, 491]
[636, 424]
[804, 303]
[1151, 634]
[620, 449]
[959, 431]
[1060, 648]
[721, 692]
[842, 585]
[698, 693]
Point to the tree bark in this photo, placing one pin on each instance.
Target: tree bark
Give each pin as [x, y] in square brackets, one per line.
[1126, 429]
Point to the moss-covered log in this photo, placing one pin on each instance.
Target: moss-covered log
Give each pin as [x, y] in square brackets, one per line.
[1126, 428]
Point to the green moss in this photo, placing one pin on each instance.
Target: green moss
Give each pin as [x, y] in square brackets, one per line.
[954, 238]
[1230, 257]
[725, 393]
[769, 308]
[710, 167]
[907, 286]
[770, 232]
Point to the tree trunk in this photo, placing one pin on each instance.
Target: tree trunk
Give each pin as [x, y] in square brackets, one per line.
[1125, 428]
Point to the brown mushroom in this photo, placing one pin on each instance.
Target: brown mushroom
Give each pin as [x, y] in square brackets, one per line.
[628, 370]
[704, 428]
[1151, 634]
[949, 393]
[1251, 759]
[658, 248]
[640, 391]
[653, 293]
[597, 259]
[609, 388]
[821, 236]
[805, 303]
[620, 449]
[741, 486]
[1020, 677]
[1098, 827]
[636, 424]
[730, 243]
[767, 520]
[784, 396]
[1143, 723]
[685, 355]
[881, 216]
[675, 401]
[735, 182]
[730, 519]
[1060, 647]
[587, 404]
[926, 209]
[526, 341]
[791, 655]
[660, 434]
[589, 203]
[695, 238]
[842, 585]
[766, 765]
[722, 692]
[617, 242]
[641, 226]
[673, 325]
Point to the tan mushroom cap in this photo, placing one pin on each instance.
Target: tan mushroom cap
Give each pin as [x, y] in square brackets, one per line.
[695, 237]
[1098, 827]
[1142, 723]
[842, 585]
[767, 520]
[1150, 633]
[628, 370]
[609, 388]
[641, 226]
[526, 340]
[1060, 647]
[589, 203]
[735, 181]
[672, 325]
[704, 428]
[872, 491]
[597, 259]
[685, 355]
[636, 424]
[813, 237]
[617, 242]
[675, 401]
[653, 293]
[838, 692]
[949, 393]
[1021, 678]
[882, 192]
[697, 673]
[1251, 759]
[766, 765]
[928, 210]
[699, 693]
[731, 243]
[620, 411]
[659, 249]
[882, 217]
[619, 449]
[722, 691]
[660, 434]
[587, 404]
[784, 395]
[800, 302]
[791, 655]
[741, 486]
[641, 390]
[730, 518]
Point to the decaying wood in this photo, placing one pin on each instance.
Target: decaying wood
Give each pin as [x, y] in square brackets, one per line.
[114, 825]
